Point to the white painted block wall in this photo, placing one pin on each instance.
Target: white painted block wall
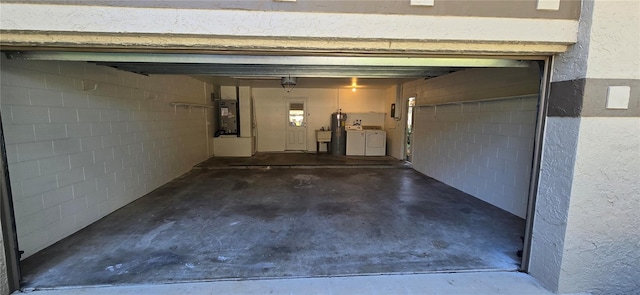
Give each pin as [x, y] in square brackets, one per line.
[75, 156]
[395, 129]
[484, 149]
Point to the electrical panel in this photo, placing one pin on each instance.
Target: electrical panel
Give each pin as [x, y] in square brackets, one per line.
[227, 117]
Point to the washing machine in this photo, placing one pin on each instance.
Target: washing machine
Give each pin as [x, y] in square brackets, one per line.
[356, 142]
[376, 143]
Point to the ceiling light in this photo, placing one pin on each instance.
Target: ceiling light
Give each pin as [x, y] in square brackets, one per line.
[288, 83]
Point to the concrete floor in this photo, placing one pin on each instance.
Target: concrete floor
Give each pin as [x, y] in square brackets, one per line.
[284, 223]
[300, 159]
[477, 283]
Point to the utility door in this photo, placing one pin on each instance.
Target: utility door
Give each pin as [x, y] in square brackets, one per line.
[296, 124]
[409, 135]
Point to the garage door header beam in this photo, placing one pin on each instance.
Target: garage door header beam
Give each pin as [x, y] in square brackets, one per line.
[264, 60]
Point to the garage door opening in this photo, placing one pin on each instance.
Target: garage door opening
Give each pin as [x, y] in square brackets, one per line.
[85, 141]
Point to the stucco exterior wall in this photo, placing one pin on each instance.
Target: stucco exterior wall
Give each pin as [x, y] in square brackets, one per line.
[601, 250]
[614, 40]
[554, 193]
[4, 283]
[280, 24]
[601, 253]
[567, 9]
[572, 64]
[133, 28]
[608, 43]
[585, 225]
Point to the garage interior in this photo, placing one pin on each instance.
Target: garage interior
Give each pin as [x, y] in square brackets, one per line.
[101, 149]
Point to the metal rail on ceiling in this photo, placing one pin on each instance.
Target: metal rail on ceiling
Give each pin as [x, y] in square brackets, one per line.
[189, 105]
[444, 103]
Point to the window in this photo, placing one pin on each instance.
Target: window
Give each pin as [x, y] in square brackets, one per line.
[296, 114]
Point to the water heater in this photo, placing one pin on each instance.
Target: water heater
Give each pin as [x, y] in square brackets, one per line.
[338, 134]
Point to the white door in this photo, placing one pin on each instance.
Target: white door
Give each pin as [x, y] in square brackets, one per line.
[409, 128]
[254, 129]
[296, 124]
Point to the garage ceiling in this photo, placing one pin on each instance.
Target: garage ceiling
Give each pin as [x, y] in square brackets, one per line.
[266, 70]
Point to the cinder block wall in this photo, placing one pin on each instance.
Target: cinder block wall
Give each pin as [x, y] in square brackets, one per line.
[483, 148]
[84, 140]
